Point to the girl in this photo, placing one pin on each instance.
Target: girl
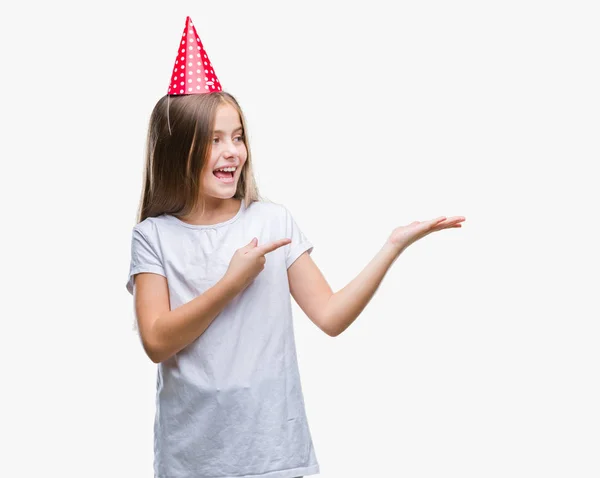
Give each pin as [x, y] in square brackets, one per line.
[212, 271]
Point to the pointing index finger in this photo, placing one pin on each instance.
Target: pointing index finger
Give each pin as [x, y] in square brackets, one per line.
[273, 245]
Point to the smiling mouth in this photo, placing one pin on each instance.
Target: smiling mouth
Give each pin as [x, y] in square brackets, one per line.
[224, 176]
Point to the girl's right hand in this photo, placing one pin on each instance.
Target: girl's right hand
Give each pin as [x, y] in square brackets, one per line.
[248, 261]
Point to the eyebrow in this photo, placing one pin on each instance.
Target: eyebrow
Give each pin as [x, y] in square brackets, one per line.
[222, 132]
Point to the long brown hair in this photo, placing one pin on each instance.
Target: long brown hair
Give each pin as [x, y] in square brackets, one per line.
[178, 146]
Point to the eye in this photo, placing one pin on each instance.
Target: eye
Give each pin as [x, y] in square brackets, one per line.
[215, 141]
[239, 138]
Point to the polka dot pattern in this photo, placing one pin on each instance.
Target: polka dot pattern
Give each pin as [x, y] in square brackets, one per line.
[193, 73]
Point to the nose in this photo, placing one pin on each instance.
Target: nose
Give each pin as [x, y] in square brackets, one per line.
[230, 150]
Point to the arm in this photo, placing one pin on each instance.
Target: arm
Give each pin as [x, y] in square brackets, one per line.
[333, 313]
[165, 332]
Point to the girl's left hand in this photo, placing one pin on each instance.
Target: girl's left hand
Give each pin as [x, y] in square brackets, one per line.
[404, 236]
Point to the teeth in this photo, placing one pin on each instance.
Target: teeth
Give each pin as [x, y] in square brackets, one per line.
[230, 169]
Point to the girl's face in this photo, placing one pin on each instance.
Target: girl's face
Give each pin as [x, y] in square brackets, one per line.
[227, 157]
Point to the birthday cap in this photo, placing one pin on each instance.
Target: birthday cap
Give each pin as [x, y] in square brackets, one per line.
[193, 73]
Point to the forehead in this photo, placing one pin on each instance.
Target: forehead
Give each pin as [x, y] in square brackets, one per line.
[227, 117]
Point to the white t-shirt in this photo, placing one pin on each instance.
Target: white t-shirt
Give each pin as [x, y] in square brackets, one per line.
[230, 404]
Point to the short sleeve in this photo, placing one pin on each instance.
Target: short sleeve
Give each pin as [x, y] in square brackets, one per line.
[299, 244]
[144, 258]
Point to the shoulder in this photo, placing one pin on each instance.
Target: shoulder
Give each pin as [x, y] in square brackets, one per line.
[148, 228]
[268, 209]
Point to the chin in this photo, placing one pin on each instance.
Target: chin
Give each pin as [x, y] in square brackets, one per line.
[226, 196]
[221, 194]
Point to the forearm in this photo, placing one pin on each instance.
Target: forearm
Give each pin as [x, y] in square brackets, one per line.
[346, 305]
[179, 327]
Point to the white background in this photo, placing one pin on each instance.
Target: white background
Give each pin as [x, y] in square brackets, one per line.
[479, 355]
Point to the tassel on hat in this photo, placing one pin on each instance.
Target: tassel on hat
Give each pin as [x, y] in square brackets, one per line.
[193, 73]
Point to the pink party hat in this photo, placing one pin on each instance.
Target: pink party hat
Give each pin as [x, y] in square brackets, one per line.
[193, 73]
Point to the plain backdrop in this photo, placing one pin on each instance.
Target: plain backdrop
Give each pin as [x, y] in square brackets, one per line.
[478, 356]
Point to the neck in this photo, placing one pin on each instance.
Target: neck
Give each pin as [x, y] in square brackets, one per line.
[215, 211]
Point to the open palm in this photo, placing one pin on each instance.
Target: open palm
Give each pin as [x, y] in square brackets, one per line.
[404, 236]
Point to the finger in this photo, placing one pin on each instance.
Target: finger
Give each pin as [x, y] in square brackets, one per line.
[251, 244]
[432, 223]
[454, 220]
[447, 226]
[272, 246]
[447, 221]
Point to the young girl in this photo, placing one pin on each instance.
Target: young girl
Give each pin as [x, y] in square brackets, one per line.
[213, 268]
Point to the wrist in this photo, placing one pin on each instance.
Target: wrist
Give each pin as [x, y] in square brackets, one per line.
[230, 285]
[393, 247]
[392, 250]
